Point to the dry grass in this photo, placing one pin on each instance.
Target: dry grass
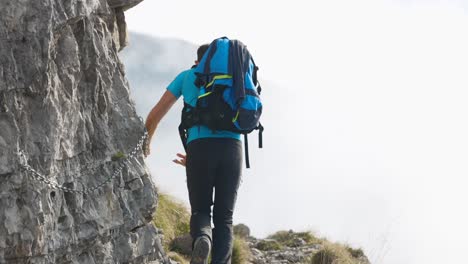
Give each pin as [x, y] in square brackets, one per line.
[289, 238]
[356, 253]
[240, 251]
[172, 217]
[333, 253]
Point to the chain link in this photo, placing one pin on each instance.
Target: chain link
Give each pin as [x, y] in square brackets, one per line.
[54, 185]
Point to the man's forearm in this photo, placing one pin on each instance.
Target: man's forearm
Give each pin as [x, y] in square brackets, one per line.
[158, 112]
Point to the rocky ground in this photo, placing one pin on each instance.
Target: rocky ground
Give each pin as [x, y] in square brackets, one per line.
[300, 253]
[284, 247]
[298, 250]
[295, 254]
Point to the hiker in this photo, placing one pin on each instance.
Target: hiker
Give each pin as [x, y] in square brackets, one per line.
[213, 160]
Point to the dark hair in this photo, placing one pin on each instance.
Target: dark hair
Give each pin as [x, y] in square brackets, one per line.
[201, 51]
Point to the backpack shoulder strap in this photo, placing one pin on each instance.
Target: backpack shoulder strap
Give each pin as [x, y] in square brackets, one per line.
[209, 56]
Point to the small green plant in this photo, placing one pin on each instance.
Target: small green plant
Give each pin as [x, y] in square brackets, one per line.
[117, 156]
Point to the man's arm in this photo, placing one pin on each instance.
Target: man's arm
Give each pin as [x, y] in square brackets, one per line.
[156, 114]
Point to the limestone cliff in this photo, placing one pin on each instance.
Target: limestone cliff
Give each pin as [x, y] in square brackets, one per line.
[64, 100]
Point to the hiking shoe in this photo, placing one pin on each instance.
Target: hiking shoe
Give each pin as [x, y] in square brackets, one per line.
[201, 250]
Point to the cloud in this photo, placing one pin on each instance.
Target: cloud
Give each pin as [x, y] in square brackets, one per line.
[365, 139]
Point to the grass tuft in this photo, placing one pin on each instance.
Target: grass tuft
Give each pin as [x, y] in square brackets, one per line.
[240, 251]
[118, 156]
[290, 238]
[172, 217]
[333, 254]
[356, 253]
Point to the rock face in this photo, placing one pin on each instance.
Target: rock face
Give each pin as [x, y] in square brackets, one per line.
[64, 100]
[242, 230]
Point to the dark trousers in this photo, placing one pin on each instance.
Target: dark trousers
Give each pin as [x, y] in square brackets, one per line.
[214, 163]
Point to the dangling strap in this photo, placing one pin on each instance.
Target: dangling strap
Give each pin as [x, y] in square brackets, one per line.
[260, 135]
[183, 136]
[188, 119]
[246, 148]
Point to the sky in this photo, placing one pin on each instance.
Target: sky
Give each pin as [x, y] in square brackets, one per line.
[365, 114]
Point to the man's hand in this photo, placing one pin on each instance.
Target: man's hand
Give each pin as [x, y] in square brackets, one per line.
[182, 160]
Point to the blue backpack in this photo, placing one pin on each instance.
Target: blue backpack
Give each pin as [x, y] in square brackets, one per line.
[229, 92]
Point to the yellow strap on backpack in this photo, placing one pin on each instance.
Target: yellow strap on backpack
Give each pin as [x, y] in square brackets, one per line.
[218, 77]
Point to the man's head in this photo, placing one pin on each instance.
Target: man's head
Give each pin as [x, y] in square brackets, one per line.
[201, 51]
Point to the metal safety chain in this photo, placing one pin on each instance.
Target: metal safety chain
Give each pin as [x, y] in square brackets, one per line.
[54, 185]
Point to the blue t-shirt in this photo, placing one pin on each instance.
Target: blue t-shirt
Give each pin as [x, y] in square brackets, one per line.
[184, 85]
